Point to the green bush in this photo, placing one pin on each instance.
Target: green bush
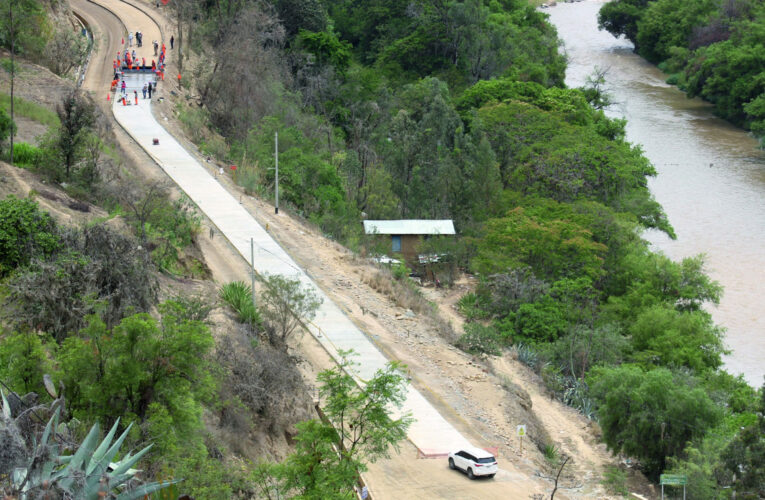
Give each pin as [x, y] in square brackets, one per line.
[615, 480]
[469, 306]
[6, 127]
[25, 232]
[527, 355]
[400, 271]
[480, 339]
[551, 453]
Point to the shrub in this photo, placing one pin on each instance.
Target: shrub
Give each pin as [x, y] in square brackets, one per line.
[25, 232]
[6, 127]
[238, 295]
[265, 381]
[400, 271]
[527, 355]
[480, 339]
[615, 480]
[469, 306]
[286, 303]
[96, 270]
[551, 453]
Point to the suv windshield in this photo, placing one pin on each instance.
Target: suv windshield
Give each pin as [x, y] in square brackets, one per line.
[488, 460]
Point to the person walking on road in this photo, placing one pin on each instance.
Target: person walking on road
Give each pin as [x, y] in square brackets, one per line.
[124, 88]
[144, 91]
[156, 47]
[130, 39]
[172, 41]
[136, 97]
[150, 91]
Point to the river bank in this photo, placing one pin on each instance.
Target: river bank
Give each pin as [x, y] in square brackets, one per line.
[711, 176]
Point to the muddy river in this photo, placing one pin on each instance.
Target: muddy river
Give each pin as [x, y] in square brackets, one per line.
[711, 176]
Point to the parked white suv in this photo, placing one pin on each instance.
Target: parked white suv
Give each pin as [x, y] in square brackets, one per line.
[474, 462]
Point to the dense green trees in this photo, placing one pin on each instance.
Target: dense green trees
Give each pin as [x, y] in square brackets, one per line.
[713, 50]
[651, 415]
[139, 368]
[456, 109]
[25, 233]
[478, 39]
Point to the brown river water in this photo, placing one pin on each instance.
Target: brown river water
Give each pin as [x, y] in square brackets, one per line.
[711, 176]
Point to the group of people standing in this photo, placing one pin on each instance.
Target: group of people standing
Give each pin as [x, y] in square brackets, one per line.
[138, 39]
[127, 59]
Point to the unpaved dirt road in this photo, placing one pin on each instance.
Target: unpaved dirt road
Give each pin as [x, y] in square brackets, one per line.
[107, 33]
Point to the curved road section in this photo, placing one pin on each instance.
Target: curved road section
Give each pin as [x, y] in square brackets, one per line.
[430, 432]
[107, 28]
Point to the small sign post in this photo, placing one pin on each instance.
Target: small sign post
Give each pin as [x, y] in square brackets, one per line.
[673, 480]
[233, 172]
[521, 431]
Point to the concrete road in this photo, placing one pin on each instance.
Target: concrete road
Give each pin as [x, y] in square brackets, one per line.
[431, 432]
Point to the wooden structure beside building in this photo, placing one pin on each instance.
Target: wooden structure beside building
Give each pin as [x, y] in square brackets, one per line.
[406, 235]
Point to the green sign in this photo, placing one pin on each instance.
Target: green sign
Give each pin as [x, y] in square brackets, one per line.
[674, 479]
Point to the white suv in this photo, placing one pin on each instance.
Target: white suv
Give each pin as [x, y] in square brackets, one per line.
[474, 461]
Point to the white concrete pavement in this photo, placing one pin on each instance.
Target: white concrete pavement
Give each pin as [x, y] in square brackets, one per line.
[430, 432]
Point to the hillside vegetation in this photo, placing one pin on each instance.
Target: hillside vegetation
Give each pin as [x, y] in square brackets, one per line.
[384, 109]
[711, 49]
[429, 110]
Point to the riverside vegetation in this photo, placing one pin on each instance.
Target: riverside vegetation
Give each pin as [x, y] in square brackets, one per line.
[392, 108]
[710, 49]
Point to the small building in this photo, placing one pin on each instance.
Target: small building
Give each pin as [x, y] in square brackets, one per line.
[406, 235]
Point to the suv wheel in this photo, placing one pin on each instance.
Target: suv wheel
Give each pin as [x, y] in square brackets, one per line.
[470, 473]
[451, 464]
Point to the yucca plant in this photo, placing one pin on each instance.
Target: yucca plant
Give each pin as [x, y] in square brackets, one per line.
[89, 474]
[238, 295]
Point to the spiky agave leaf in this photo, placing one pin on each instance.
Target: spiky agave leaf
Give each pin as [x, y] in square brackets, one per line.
[67, 476]
[86, 474]
[124, 465]
[145, 489]
[99, 454]
[6, 406]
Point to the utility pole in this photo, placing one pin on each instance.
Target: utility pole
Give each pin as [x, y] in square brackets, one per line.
[13, 65]
[276, 156]
[252, 261]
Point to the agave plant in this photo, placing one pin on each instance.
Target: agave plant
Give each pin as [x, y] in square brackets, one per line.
[89, 474]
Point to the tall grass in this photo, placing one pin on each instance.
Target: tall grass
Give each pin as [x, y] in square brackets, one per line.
[26, 155]
[28, 109]
[238, 295]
